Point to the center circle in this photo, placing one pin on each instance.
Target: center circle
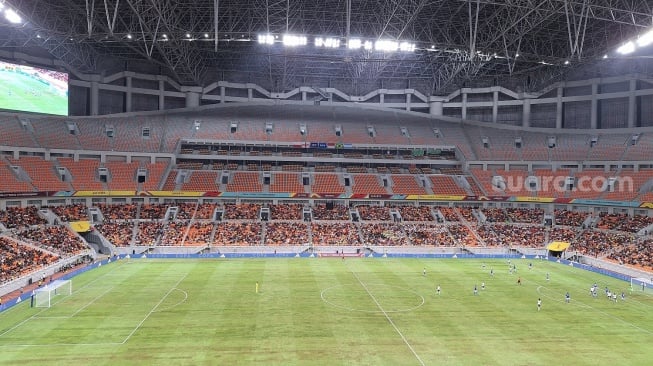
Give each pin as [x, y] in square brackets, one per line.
[373, 298]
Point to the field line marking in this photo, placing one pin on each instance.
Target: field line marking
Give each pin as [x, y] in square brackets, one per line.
[388, 318]
[44, 309]
[178, 303]
[153, 310]
[78, 310]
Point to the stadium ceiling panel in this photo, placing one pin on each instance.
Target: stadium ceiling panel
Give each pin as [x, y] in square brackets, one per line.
[521, 43]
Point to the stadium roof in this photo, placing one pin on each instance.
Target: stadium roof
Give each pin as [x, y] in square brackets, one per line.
[522, 44]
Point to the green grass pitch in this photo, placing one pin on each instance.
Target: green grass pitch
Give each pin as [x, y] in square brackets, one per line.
[16, 94]
[318, 311]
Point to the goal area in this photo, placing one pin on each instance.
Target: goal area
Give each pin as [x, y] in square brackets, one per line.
[641, 284]
[44, 296]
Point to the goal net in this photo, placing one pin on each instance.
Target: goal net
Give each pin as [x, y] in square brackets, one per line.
[44, 296]
[641, 284]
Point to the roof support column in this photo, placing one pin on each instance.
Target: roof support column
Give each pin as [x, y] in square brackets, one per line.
[435, 107]
[128, 93]
[162, 97]
[463, 105]
[526, 113]
[594, 111]
[95, 98]
[495, 106]
[632, 103]
[559, 108]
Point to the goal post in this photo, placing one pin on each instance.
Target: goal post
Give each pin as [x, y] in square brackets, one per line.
[641, 284]
[44, 296]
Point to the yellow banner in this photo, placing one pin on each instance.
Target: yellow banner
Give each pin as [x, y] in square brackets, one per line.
[104, 193]
[558, 246]
[80, 226]
[434, 197]
[176, 194]
[646, 205]
[534, 199]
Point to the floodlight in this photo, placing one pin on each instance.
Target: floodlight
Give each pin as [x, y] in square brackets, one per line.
[206, 35]
[291, 40]
[327, 42]
[566, 62]
[406, 47]
[12, 16]
[187, 35]
[129, 36]
[164, 35]
[368, 45]
[626, 48]
[265, 39]
[646, 39]
[354, 43]
[386, 45]
[605, 56]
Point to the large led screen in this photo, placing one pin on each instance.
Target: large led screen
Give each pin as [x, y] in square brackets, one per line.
[30, 89]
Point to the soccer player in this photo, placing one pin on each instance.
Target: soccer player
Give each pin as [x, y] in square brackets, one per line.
[519, 281]
[547, 277]
[492, 272]
[438, 290]
[567, 297]
[614, 297]
[424, 272]
[623, 296]
[530, 265]
[475, 290]
[482, 285]
[539, 304]
[257, 287]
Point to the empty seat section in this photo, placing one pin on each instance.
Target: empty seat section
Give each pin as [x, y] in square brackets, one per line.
[155, 173]
[123, 175]
[445, 184]
[84, 173]
[42, 174]
[201, 181]
[245, 182]
[368, 184]
[406, 184]
[286, 182]
[327, 183]
[9, 182]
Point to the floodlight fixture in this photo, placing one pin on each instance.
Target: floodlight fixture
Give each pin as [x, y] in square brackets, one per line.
[354, 43]
[265, 39]
[206, 35]
[329, 42]
[646, 39]
[368, 45]
[165, 36]
[129, 36]
[566, 62]
[605, 56]
[187, 35]
[291, 40]
[407, 47]
[626, 48]
[12, 16]
[386, 45]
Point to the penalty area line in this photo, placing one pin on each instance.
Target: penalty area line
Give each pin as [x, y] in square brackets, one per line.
[153, 310]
